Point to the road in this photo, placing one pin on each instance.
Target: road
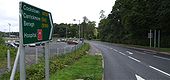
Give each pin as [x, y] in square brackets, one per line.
[122, 63]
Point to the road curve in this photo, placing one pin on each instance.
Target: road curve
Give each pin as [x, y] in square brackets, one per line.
[128, 64]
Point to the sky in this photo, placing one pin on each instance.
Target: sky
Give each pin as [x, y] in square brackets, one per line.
[63, 11]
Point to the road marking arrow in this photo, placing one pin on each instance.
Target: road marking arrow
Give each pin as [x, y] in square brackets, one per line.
[138, 77]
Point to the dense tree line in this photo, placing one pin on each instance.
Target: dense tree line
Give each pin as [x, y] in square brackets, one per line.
[131, 20]
[64, 30]
[2, 41]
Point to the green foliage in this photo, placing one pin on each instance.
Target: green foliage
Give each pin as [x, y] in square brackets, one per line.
[87, 68]
[130, 21]
[3, 54]
[2, 41]
[87, 29]
[36, 71]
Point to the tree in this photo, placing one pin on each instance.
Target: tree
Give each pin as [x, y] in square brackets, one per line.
[2, 41]
[130, 21]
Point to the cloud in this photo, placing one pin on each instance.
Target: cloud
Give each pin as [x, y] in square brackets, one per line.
[63, 11]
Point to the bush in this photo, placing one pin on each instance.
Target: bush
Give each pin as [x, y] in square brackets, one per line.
[3, 54]
[36, 71]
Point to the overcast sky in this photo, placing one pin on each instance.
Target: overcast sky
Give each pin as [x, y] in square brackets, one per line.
[63, 11]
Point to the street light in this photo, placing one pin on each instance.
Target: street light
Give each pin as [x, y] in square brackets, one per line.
[79, 26]
[9, 29]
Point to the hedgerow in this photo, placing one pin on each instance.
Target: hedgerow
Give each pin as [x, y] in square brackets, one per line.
[37, 72]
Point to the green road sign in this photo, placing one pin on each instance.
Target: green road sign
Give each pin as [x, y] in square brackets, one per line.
[36, 24]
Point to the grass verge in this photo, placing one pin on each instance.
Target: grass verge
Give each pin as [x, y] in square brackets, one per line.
[36, 71]
[87, 68]
[3, 55]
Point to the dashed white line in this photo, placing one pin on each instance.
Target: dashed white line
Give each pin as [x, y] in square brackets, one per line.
[161, 57]
[159, 70]
[115, 50]
[134, 59]
[138, 77]
[122, 53]
[129, 52]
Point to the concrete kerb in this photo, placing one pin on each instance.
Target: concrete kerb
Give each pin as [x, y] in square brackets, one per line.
[100, 54]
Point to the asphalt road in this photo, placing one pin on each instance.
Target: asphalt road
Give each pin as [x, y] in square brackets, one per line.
[122, 63]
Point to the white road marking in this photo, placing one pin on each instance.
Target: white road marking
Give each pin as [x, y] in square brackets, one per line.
[161, 57]
[134, 59]
[122, 53]
[129, 52]
[159, 70]
[115, 50]
[138, 77]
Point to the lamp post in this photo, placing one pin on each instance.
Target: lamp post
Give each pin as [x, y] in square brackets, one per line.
[9, 29]
[79, 26]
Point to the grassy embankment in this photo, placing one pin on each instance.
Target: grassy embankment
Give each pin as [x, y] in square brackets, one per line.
[87, 68]
[78, 61]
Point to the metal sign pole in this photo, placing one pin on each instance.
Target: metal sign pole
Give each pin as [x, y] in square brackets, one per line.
[22, 48]
[8, 60]
[159, 35]
[155, 39]
[15, 65]
[150, 38]
[36, 55]
[46, 61]
[22, 63]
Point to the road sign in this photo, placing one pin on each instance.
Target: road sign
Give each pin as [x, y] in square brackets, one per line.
[150, 35]
[36, 24]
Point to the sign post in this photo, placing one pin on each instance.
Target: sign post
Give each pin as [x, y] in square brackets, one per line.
[155, 38]
[150, 37]
[46, 61]
[35, 27]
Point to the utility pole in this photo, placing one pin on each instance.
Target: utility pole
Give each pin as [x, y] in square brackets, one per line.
[79, 26]
[9, 29]
[79, 29]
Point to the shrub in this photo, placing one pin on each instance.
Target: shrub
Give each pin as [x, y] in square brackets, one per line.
[36, 71]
